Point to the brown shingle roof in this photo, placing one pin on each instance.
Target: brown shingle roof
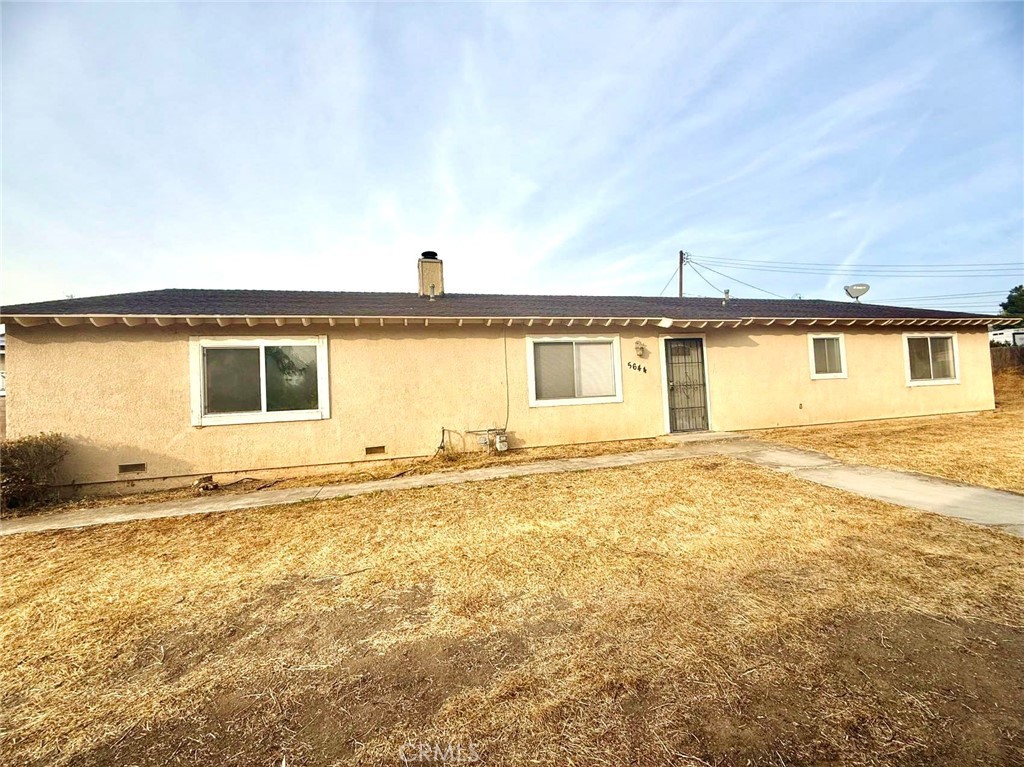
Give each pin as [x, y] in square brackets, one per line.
[298, 303]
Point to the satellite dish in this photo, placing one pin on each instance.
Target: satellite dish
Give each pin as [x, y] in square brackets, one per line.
[857, 290]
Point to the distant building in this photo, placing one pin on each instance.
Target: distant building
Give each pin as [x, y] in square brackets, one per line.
[1011, 336]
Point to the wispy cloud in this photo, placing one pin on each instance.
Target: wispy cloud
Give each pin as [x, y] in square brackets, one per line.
[539, 148]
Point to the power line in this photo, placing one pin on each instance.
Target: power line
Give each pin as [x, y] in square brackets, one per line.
[987, 308]
[856, 271]
[964, 300]
[930, 304]
[859, 267]
[950, 295]
[981, 296]
[674, 273]
[690, 262]
[741, 282]
[945, 299]
[864, 270]
[826, 263]
[762, 262]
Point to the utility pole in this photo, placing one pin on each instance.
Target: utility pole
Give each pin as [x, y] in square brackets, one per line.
[683, 258]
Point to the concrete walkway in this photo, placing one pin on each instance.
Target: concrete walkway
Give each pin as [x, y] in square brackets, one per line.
[977, 505]
[994, 508]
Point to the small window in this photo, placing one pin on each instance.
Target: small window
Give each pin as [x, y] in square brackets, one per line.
[931, 359]
[252, 380]
[828, 355]
[574, 371]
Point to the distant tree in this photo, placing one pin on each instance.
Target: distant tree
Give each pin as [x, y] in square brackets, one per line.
[1013, 306]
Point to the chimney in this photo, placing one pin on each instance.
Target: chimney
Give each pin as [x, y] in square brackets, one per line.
[431, 275]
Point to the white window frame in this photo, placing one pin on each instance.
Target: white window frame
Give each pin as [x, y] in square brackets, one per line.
[815, 375]
[531, 376]
[931, 381]
[196, 372]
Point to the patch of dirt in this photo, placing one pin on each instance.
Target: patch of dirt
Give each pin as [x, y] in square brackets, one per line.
[906, 689]
[901, 689]
[319, 716]
[320, 713]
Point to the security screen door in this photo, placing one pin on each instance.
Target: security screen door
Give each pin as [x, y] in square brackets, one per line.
[687, 385]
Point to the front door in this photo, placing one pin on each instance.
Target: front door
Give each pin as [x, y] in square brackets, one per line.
[687, 385]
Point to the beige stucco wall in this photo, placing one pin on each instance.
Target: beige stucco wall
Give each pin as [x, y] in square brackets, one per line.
[762, 379]
[123, 394]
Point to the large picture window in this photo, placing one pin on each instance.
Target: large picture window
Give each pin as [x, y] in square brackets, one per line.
[573, 371]
[247, 380]
[931, 359]
[828, 355]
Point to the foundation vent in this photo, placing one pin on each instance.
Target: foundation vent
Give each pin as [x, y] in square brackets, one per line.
[131, 468]
[376, 450]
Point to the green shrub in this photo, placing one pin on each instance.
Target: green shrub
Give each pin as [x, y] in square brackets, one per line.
[28, 468]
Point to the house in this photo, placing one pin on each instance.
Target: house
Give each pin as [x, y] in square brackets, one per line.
[159, 387]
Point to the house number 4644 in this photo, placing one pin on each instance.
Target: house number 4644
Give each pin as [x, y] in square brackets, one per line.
[637, 367]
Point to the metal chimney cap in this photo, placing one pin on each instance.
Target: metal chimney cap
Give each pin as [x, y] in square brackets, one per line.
[429, 254]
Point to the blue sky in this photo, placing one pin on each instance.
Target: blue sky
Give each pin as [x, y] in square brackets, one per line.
[540, 149]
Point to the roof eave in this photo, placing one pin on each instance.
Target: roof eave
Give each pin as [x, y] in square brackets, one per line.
[193, 320]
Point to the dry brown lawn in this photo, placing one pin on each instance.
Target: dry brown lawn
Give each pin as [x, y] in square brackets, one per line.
[976, 448]
[698, 612]
[359, 472]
